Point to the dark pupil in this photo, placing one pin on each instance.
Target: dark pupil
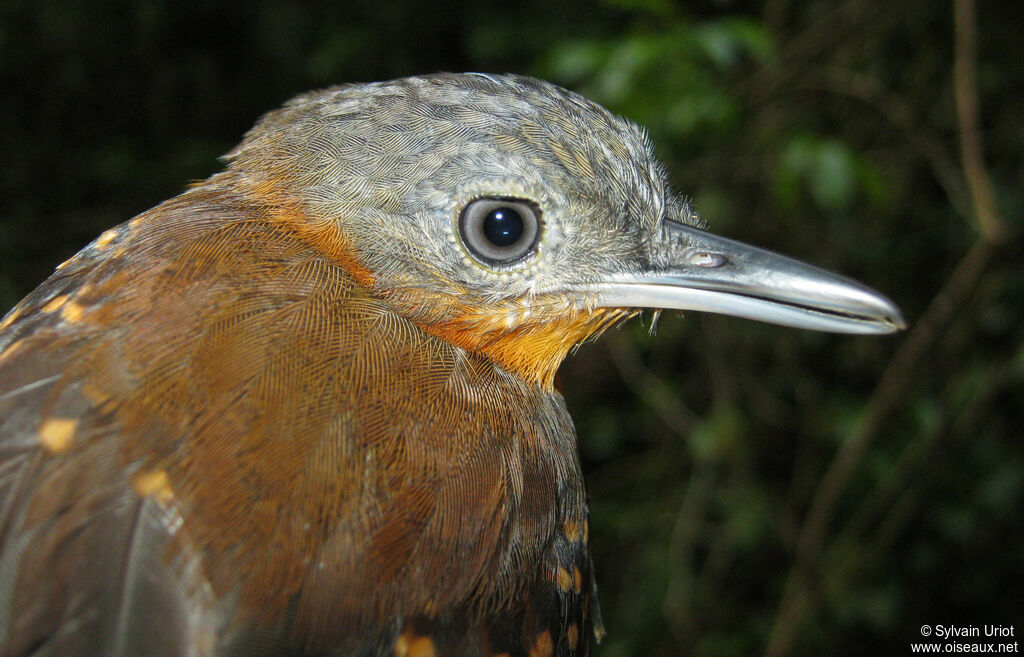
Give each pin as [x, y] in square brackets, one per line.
[503, 226]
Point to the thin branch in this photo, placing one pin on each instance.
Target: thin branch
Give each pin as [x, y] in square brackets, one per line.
[965, 89]
[677, 605]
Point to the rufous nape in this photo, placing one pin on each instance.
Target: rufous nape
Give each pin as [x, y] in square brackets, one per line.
[307, 406]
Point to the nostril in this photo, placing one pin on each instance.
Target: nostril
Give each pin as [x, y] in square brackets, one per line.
[706, 259]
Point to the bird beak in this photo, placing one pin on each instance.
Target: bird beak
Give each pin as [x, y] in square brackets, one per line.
[696, 270]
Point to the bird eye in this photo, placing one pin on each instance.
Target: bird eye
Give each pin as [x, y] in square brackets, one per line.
[500, 231]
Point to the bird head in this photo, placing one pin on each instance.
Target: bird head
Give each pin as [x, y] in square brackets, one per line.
[514, 218]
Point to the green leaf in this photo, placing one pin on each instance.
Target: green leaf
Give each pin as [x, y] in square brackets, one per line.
[833, 179]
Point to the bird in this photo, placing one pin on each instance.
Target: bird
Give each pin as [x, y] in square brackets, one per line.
[308, 406]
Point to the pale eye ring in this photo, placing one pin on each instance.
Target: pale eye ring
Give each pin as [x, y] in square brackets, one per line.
[500, 231]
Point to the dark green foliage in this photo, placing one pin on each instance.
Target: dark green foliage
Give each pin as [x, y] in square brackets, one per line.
[751, 485]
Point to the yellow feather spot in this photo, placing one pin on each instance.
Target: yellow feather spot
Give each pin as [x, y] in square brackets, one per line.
[10, 319]
[572, 530]
[586, 530]
[104, 240]
[572, 636]
[56, 433]
[55, 303]
[409, 645]
[155, 484]
[564, 580]
[94, 394]
[577, 579]
[72, 312]
[543, 646]
[11, 349]
[422, 646]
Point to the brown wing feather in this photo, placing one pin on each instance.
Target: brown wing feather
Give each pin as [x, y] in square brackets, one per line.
[78, 548]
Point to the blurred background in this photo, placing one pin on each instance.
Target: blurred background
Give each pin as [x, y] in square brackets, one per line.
[755, 489]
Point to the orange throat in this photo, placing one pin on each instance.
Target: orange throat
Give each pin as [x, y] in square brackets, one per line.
[532, 348]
